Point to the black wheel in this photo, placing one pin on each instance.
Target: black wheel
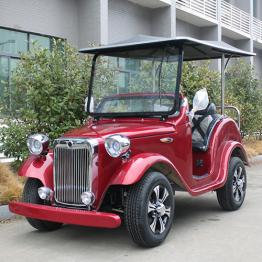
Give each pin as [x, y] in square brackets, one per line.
[231, 196]
[30, 195]
[149, 210]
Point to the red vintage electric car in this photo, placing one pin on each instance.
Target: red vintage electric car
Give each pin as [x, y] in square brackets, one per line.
[141, 144]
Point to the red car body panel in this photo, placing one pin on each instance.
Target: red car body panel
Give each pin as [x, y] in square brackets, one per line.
[40, 168]
[132, 171]
[66, 216]
[147, 151]
[132, 128]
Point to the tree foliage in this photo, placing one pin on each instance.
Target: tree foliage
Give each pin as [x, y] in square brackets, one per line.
[49, 90]
[48, 95]
[243, 90]
[197, 76]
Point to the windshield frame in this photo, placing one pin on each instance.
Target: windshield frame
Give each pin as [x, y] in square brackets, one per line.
[137, 114]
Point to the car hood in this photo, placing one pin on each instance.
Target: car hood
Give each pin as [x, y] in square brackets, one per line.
[129, 129]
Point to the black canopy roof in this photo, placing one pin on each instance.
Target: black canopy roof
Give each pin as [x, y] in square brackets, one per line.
[194, 49]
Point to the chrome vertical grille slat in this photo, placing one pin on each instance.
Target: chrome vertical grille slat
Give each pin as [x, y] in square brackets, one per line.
[71, 171]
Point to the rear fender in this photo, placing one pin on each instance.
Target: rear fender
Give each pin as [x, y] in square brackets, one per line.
[230, 149]
[240, 152]
[40, 168]
[133, 170]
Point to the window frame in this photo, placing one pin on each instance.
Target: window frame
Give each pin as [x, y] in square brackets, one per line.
[162, 114]
[10, 56]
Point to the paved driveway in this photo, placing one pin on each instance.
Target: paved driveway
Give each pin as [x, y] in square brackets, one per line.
[201, 232]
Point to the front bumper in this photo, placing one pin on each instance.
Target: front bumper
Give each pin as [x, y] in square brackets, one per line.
[65, 215]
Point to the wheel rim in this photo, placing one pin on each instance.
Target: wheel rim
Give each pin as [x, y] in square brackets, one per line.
[239, 184]
[159, 209]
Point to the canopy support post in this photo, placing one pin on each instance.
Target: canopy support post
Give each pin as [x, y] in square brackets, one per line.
[223, 84]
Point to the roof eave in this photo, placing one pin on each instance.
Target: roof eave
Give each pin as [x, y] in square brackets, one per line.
[220, 47]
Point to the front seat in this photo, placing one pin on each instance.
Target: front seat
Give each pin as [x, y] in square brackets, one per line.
[204, 122]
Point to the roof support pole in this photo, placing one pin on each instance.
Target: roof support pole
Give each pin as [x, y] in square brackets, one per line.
[223, 84]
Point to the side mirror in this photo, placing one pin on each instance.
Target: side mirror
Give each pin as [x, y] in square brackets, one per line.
[201, 100]
[91, 105]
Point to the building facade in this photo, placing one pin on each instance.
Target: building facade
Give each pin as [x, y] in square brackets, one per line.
[81, 22]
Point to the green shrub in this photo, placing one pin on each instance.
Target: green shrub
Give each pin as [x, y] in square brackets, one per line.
[198, 75]
[48, 95]
[13, 140]
[49, 90]
[243, 91]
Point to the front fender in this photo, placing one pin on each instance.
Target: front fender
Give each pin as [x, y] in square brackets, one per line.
[40, 168]
[135, 168]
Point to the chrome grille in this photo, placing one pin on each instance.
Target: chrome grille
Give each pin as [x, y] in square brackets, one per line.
[71, 171]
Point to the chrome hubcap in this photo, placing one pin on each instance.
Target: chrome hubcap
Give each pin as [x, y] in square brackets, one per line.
[159, 209]
[239, 184]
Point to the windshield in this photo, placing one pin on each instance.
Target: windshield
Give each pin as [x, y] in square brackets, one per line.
[135, 82]
[136, 103]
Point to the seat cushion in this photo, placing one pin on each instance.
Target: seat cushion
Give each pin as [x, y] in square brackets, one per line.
[199, 146]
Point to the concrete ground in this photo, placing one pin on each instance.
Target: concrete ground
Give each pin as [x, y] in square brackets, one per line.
[5, 214]
[201, 232]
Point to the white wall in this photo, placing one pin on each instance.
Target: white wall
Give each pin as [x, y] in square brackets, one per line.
[127, 20]
[89, 22]
[258, 63]
[52, 17]
[161, 22]
[209, 33]
[242, 4]
[186, 29]
[258, 9]
[228, 40]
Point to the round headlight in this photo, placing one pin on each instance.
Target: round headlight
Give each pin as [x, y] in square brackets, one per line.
[117, 145]
[37, 144]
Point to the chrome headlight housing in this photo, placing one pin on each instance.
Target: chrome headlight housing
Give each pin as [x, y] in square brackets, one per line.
[37, 144]
[117, 145]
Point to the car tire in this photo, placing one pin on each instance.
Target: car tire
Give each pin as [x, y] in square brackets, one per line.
[232, 195]
[30, 195]
[149, 211]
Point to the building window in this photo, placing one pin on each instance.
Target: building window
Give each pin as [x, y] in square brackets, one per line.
[125, 69]
[12, 44]
[123, 81]
[42, 41]
[4, 73]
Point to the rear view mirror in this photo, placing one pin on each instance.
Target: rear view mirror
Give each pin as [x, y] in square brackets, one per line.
[201, 100]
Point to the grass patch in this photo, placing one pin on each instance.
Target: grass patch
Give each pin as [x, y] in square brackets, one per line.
[10, 185]
[253, 147]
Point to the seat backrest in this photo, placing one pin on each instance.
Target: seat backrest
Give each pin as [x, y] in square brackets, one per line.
[200, 127]
[210, 110]
[203, 124]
